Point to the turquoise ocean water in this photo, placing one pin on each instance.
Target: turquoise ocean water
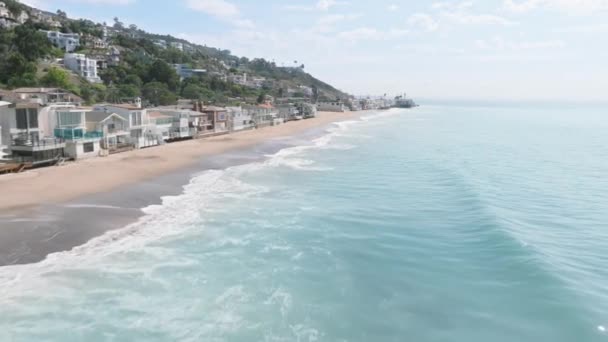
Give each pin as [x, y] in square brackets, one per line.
[443, 223]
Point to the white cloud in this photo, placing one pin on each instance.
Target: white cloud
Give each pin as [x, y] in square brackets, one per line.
[423, 21]
[368, 33]
[393, 7]
[454, 13]
[570, 6]
[217, 8]
[221, 9]
[320, 5]
[500, 44]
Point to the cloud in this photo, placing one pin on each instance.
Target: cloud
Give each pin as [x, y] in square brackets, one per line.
[570, 6]
[222, 10]
[454, 13]
[423, 21]
[320, 5]
[392, 8]
[500, 44]
[368, 33]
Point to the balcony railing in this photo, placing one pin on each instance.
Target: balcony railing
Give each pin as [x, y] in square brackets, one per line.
[76, 134]
[43, 143]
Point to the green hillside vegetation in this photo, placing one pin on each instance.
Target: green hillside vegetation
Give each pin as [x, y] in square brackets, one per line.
[145, 70]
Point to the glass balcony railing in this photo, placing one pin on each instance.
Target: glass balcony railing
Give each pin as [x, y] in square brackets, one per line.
[76, 134]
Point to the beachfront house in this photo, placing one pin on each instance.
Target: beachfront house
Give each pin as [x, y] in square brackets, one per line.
[219, 117]
[24, 136]
[143, 134]
[113, 128]
[182, 122]
[241, 119]
[67, 42]
[71, 126]
[262, 115]
[162, 123]
[83, 66]
[289, 112]
[4, 136]
[334, 106]
[307, 110]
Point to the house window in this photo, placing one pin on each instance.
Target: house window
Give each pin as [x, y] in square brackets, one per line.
[21, 116]
[70, 119]
[136, 119]
[88, 147]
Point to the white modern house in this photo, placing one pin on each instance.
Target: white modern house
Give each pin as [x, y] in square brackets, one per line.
[24, 135]
[67, 42]
[71, 126]
[241, 119]
[180, 127]
[114, 131]
[184, 71]
[138, 123]
[82, 65]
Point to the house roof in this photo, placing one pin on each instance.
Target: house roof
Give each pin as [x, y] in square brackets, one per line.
[100, 116]
[128, 106]
[214, 109]
[38, 90]
[158, 115]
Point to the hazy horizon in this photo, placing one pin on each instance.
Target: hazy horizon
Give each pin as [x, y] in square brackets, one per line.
[460, 50]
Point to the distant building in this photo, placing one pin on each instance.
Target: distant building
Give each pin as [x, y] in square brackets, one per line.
[177, 45]
[335, 106]
[83, 66]
[161, 43]
[67, 42]
[184, 71]
[42, 96]
[94, 42]
[4, 12]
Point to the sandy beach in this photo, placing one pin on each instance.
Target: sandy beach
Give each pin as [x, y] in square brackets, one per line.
[64, 183]
[54, 209]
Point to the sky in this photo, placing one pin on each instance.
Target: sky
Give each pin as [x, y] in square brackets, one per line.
[492, 49]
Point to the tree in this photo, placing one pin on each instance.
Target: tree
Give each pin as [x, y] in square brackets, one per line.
[133, 27]
[261, 98]
[158, 94]
[31, 43]
[118, 24]
[61, 14]
[281, 92]
[192, 92]
[159, 71]
[129, 90]
[56, 77]
[315, 93]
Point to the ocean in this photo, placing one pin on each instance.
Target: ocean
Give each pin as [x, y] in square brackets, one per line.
[441, 223]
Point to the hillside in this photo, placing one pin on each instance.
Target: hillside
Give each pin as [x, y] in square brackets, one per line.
[143, 65]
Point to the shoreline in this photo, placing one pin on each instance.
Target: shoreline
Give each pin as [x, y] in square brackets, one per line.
[64, 183]
[58, 208]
